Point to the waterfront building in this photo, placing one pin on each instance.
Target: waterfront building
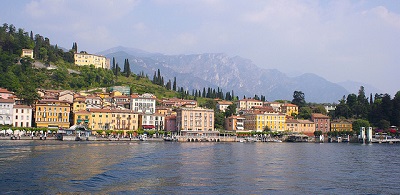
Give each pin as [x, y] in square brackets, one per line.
[321, 121]
[170, 123]
[292, 125]
[82, 117]
[148, 121]
[159, 122]
[195, 121]
[290, 109]
[223, 105]
[27, 53]
[85, 59]
[6, 111]
[258, 120]
[52, 113]
[247, 104]
[110, 119]
[22, 116]
[306, 127]
[145, 103]
[341, 125]
[234, 123]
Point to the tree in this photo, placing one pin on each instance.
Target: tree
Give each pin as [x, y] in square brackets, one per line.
[357, 124]
[231, 110]
[127, 68]
[317, 133]
[384, 124]
[219, 120]
[299, 99]
[304, 113]
[174, 84]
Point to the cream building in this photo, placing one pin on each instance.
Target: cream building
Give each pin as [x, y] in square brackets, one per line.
[27, 53]
[247, 104]
[84, 59]
[195, 121]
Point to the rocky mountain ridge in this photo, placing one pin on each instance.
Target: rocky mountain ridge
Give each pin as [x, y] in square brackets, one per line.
[196, 71]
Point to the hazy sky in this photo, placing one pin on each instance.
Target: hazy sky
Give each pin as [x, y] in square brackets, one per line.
[339, 40]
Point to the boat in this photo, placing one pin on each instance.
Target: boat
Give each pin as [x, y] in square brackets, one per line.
[169, 139]
[143, 137]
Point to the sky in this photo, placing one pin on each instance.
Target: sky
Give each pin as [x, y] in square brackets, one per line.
[339, 40]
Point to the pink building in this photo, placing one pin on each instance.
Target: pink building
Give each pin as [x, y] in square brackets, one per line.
[170, 124]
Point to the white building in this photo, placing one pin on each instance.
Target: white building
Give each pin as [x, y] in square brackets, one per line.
[6, 111]
[145, 103]
[22, 116]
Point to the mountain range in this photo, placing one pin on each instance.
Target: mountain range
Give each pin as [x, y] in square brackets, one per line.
[196, 71]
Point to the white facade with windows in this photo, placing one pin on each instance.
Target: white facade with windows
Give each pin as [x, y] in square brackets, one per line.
[145, 103]
[22, 116]
[6, 111]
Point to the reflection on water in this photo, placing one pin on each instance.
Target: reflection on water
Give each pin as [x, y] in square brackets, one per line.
[51, 167]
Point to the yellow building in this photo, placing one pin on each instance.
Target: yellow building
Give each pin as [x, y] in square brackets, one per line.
[290, 109]
[27, 53]
[52, 113]
[341, 125]
[85, 59]
[108, 119]
[79, 104]
[257, 121]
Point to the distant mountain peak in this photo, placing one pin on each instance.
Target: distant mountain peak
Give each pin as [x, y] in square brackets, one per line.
[198, 71]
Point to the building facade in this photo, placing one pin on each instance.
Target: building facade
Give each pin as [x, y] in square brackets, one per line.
[223, 105]
[6, 111]
[145, 103]
[50, 113]
[234, 123]
[341, 125]
[247, 104]
[322, 122]
[290, 109]
[84, 59]
[27, 53]
[258, 121]
[195, 119]
[22, 116]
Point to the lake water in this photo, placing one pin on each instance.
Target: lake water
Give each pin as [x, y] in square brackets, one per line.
[52, 167]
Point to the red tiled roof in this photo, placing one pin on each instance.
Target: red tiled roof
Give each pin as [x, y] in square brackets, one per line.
[7, 101]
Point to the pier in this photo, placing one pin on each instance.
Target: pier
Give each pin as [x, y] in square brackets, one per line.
[387, 140]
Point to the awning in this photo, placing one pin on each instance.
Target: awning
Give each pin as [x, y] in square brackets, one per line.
[148, 126]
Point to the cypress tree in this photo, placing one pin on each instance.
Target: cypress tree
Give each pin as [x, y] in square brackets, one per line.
[174, 84]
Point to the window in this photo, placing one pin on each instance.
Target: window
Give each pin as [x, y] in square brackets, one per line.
[16, 110]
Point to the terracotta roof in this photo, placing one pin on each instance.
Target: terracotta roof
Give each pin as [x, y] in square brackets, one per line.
[290, 105]
[7, 101]
[319, 115]
[22, 106]
[2, 90]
